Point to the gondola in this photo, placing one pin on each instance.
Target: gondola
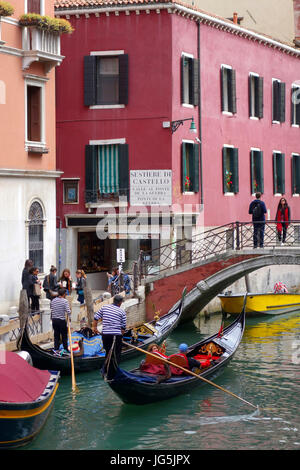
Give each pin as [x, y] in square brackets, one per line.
[154, 331]
[139, 388]
[26, 399]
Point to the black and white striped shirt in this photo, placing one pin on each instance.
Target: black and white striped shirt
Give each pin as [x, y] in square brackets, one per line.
[113, 319]
[59, 307]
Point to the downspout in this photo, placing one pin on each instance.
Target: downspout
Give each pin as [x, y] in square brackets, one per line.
[199, 115]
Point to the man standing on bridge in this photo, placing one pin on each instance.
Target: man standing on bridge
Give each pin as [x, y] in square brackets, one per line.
[258, 210]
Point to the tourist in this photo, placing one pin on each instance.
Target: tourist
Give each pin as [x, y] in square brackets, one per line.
[59, 308]
[50, 284]
[25, 276]
[65, 281]
[283, 218]
[258, 210]
[34, 288]
[80, 285]
[113, 327]
[189, 362]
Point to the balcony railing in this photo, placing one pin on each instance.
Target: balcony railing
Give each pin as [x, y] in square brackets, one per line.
[39, 45]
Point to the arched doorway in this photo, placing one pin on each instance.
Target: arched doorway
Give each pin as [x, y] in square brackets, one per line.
[36, 235]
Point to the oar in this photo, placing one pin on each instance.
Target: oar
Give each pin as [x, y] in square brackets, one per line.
[72, 357]
[191, 373]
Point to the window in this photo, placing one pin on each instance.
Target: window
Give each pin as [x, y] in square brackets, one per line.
[106, 80]
[190, 167]
[257, 172]
[256, 104]
[34, 6]
[35, 115]
[278, 173]
[295, 105]
[106, 171]
[36, 235]
[228, 89]
[70, 191]
[278, 100]
[189, 80]
[230, 170]
[295, 174]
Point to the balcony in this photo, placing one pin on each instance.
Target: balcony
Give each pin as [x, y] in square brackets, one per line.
[41, 46]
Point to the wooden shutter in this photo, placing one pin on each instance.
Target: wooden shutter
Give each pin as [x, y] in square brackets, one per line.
[182, 78]
[90, 80]
[261, 172]
[282, 102]
[223, 87]
[259, 102]
[232, 91]
[274, 174]
[224, 152]
[195, 82]
[34, 6]
[250, 78]
[296, 174]
[123, 79]
[123, 170]
[195, 168]
[282, 173]
[183, 166]
[235, 170]
[34, 113]
[296, 99]
[90, 173]
[276, 107]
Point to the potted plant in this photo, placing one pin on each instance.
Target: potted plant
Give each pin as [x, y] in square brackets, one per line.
[6, 9]
[30, 19]
[46, 23]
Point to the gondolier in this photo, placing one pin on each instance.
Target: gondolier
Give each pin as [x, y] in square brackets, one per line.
[59, 309]
[113, 327]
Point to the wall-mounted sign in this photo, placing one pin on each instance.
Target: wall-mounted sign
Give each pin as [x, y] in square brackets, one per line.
[150, 187]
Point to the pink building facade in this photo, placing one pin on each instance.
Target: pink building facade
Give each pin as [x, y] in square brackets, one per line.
[133, 71]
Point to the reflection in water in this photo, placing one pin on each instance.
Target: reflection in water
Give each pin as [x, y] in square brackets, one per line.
[262, 372]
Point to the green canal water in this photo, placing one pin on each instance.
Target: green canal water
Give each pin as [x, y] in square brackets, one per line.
[264, 371]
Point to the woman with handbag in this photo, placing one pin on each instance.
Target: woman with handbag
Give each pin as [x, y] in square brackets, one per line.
[34, 288]
[283, 217]
[80, 284]
[51, 285]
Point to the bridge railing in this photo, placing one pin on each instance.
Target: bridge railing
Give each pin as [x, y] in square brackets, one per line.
[212, 242]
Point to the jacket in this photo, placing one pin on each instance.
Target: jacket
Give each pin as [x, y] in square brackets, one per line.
[263, 210]
[283, 218]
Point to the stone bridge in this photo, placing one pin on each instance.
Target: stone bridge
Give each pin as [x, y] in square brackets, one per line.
[205, 279]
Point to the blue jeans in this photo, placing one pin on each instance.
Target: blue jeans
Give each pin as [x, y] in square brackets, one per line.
[258, 233]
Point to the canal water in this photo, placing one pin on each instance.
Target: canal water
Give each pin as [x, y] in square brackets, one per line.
[264, 371]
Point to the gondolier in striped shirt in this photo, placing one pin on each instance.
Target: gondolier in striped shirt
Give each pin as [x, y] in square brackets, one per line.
[113, 327]
[60, 307]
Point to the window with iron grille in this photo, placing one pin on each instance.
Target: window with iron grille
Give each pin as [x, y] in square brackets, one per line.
[36, 235]
[230, 170]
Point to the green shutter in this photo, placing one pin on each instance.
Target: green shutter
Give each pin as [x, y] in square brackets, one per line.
[195, 83]
[108, 169]
[252, 163]
[274, 174]
[282, 101]
[123, 79]
[90, 173]
[224, 152]
[235, 170]
[194, 168]
[276, 106]
[261, 168]
[183, 166]
[282, 173]
[250, 95]
[89, 80]
[223, 87]
[296, 174]
[232, 91]
[260, 97]
[123, 170]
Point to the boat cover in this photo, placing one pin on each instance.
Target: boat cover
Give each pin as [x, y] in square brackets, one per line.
[91, 346]
[19, 381]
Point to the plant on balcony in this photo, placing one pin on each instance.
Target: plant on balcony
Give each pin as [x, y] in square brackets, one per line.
[6, 9]
[46, 23]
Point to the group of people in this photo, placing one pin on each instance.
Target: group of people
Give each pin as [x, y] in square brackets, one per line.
[258, 210]
[51, 285]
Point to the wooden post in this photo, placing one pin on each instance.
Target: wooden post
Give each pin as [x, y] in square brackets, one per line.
[23, 308]
[88, 297]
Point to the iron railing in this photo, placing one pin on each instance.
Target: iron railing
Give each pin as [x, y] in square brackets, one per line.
[209, 243]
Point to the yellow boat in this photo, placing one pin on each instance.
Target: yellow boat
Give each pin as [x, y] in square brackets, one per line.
[260, 304]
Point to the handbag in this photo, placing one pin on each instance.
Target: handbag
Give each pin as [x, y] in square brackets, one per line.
[53, 293]
[36, 289]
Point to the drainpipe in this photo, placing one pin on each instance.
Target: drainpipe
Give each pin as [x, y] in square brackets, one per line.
[199, 116]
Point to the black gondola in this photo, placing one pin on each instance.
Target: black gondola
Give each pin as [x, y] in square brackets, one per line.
[143, 336]
[138, 387]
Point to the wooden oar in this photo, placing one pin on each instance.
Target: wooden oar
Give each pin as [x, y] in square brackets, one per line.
[191, 373]
[72, 357]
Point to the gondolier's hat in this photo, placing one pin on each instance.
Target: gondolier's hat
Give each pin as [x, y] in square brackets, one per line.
[183, 347]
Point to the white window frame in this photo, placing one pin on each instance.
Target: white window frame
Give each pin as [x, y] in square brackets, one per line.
[252, 94]
[294, 154]
[187, 105]
[293, 106]
[37, 82]
[226, 113]
[42, 6]
[274, 80]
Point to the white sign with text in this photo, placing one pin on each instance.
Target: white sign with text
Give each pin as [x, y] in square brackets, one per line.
[150, 187]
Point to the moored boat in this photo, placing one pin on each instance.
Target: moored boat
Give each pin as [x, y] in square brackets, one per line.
[26, 399]
[154, 331]
[138, 387]
[260, 304]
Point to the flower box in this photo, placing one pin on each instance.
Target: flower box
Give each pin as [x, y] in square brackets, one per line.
[6, 9]
[46, 23]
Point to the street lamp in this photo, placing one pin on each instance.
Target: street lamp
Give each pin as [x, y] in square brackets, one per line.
[175, 124]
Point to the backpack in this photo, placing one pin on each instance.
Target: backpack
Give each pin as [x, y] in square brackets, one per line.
[257, 211]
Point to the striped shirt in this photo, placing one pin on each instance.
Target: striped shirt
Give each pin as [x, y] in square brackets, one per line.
[113, 319]
[59, 307]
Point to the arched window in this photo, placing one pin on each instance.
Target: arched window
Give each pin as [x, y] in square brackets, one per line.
[36, 238]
